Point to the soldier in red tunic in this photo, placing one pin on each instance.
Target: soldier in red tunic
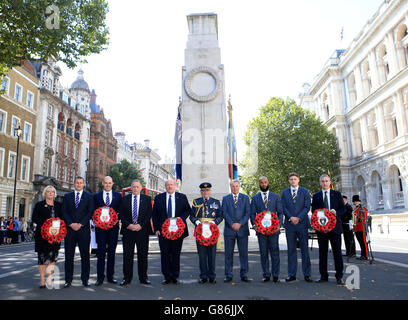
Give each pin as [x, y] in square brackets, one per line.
[360, 226]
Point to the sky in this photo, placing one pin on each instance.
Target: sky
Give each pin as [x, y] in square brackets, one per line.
[269, 49]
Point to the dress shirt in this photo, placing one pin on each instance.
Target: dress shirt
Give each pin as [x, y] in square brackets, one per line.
[110, 196]
[294, 189]
[138, 203]
[263, 195]
[80, 194]
[173, 203]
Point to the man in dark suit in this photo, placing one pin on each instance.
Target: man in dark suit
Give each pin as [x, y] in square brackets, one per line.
[170, 204]
[332, 200]
[348, 233]
[296, 205]
[77, 210]
[107, 240]
[268, 244]
[135, 213]
[236, 210]
[206, 209]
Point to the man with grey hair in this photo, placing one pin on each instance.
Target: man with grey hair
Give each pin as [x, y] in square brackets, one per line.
[236, 210]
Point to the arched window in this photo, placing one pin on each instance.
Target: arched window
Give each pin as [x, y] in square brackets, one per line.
[326, 111]
[361, 189]
[383, 63]
[358, 141]
[402, 45]
[352, 90]
[391, 121]
[396, 187]
[378, 191]
[373, 131]
[61, 120]
[366, 75]
[69, 127]
[77, 134]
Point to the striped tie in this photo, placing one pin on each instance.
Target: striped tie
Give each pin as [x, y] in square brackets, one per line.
[325, 201]
[107, 201]
[134, 214]
[294, 196]
[77, 200]
[265, 199]
[235, 200]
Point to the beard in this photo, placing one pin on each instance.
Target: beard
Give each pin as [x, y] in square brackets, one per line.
[264, 189]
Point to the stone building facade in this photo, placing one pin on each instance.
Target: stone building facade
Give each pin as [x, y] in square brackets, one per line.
[18, 106]
[361, 94]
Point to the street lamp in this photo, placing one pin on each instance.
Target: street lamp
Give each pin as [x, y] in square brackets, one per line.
[17, 131]
[86, 174]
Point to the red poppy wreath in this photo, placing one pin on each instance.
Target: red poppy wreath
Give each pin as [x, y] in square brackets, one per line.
[323, 220]
[267, 222]
[173, 231]
[205, 238]
[105, 218]
[54, 230]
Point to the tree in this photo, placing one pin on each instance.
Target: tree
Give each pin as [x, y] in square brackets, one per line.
[123, 174]
[69, 30]
[288, 139]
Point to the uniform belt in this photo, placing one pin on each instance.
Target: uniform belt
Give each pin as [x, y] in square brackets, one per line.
[206, 219]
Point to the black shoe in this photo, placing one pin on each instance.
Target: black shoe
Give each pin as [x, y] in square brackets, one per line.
[86, 284]
[245, 279]
[340, 282]
[145, 281]
[362, 258]
[213, 281]
[322, 280]
[290, 279]
[165, 281]
[98, 283]
[42, 287]
[276, 279]
[114, 281]
[67, 284]
[175, 281]
[227, 279]
[201, 281]
[308, 279]
[266, 279]
[124, 283]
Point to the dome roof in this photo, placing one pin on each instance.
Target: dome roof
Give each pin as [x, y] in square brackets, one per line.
[80, 83]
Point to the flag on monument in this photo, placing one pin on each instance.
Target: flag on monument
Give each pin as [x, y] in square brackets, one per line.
[177, 143]
[232, 154]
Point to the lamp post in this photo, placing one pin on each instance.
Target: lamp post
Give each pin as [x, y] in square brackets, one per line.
[17, 131]
[86, 174]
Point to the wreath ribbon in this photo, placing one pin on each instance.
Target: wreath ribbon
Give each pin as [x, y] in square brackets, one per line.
[209, 241]
[173, 235]
[100, 220]
[273, 223]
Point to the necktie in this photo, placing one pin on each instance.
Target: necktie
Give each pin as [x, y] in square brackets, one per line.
[134, 214]
[235, 200]
[77, 200]
[325, 201]
[169, 208]
[265, 199]
[107, 201]
[294, 195]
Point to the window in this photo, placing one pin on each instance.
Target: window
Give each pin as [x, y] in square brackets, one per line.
[27, 132]
[14, 125]
[58, 145]
[47, 142]
[25, 168]
[82, 109]
[57, 169]
[73, 103]
[18, 93]
[11, 164]
[65, 174]
[46, 167]
[2, 153]
[73, 175]
[50, 111]
[74, 151]
[65, 98]
[3, 121]
[30, 99]
[5, 85]
[66, 147]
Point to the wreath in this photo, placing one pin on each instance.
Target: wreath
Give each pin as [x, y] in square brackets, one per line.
[54, 230]
[103, 219]
[173, 232]
[208, 239]
[267, 226]
[323, 220]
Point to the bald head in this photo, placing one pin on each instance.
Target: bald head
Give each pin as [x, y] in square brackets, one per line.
[107, 183]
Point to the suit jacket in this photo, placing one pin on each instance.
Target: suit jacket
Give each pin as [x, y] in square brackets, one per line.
[347, 215]
[82, 214]
[274, 205]
[300, 208]
[240, 214]
[214, 210]
[336, 203]
[143, 218]
[182, 210]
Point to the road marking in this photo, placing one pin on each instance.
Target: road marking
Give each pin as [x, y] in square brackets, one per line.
[12, 273]
[399, 264]
[397, 248]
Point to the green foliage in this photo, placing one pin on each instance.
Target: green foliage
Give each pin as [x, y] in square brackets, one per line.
[70, 31]
[289, 139]
[123, 173]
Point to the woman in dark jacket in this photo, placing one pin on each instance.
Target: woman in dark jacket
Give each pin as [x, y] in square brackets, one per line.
[47, 252]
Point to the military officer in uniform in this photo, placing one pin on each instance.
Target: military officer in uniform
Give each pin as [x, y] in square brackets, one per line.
[206, 209]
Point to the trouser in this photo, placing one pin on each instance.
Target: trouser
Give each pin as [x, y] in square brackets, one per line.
[361, 237]
[349, 240]
[335, 242]
[141, 240]
[82, 237]
[107, 241]
[269, 246]
[206, 256]
[22, 234]
[229, 243]
[170, 257]
[291, 240]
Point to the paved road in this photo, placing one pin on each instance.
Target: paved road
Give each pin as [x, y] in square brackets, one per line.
[19, 278]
